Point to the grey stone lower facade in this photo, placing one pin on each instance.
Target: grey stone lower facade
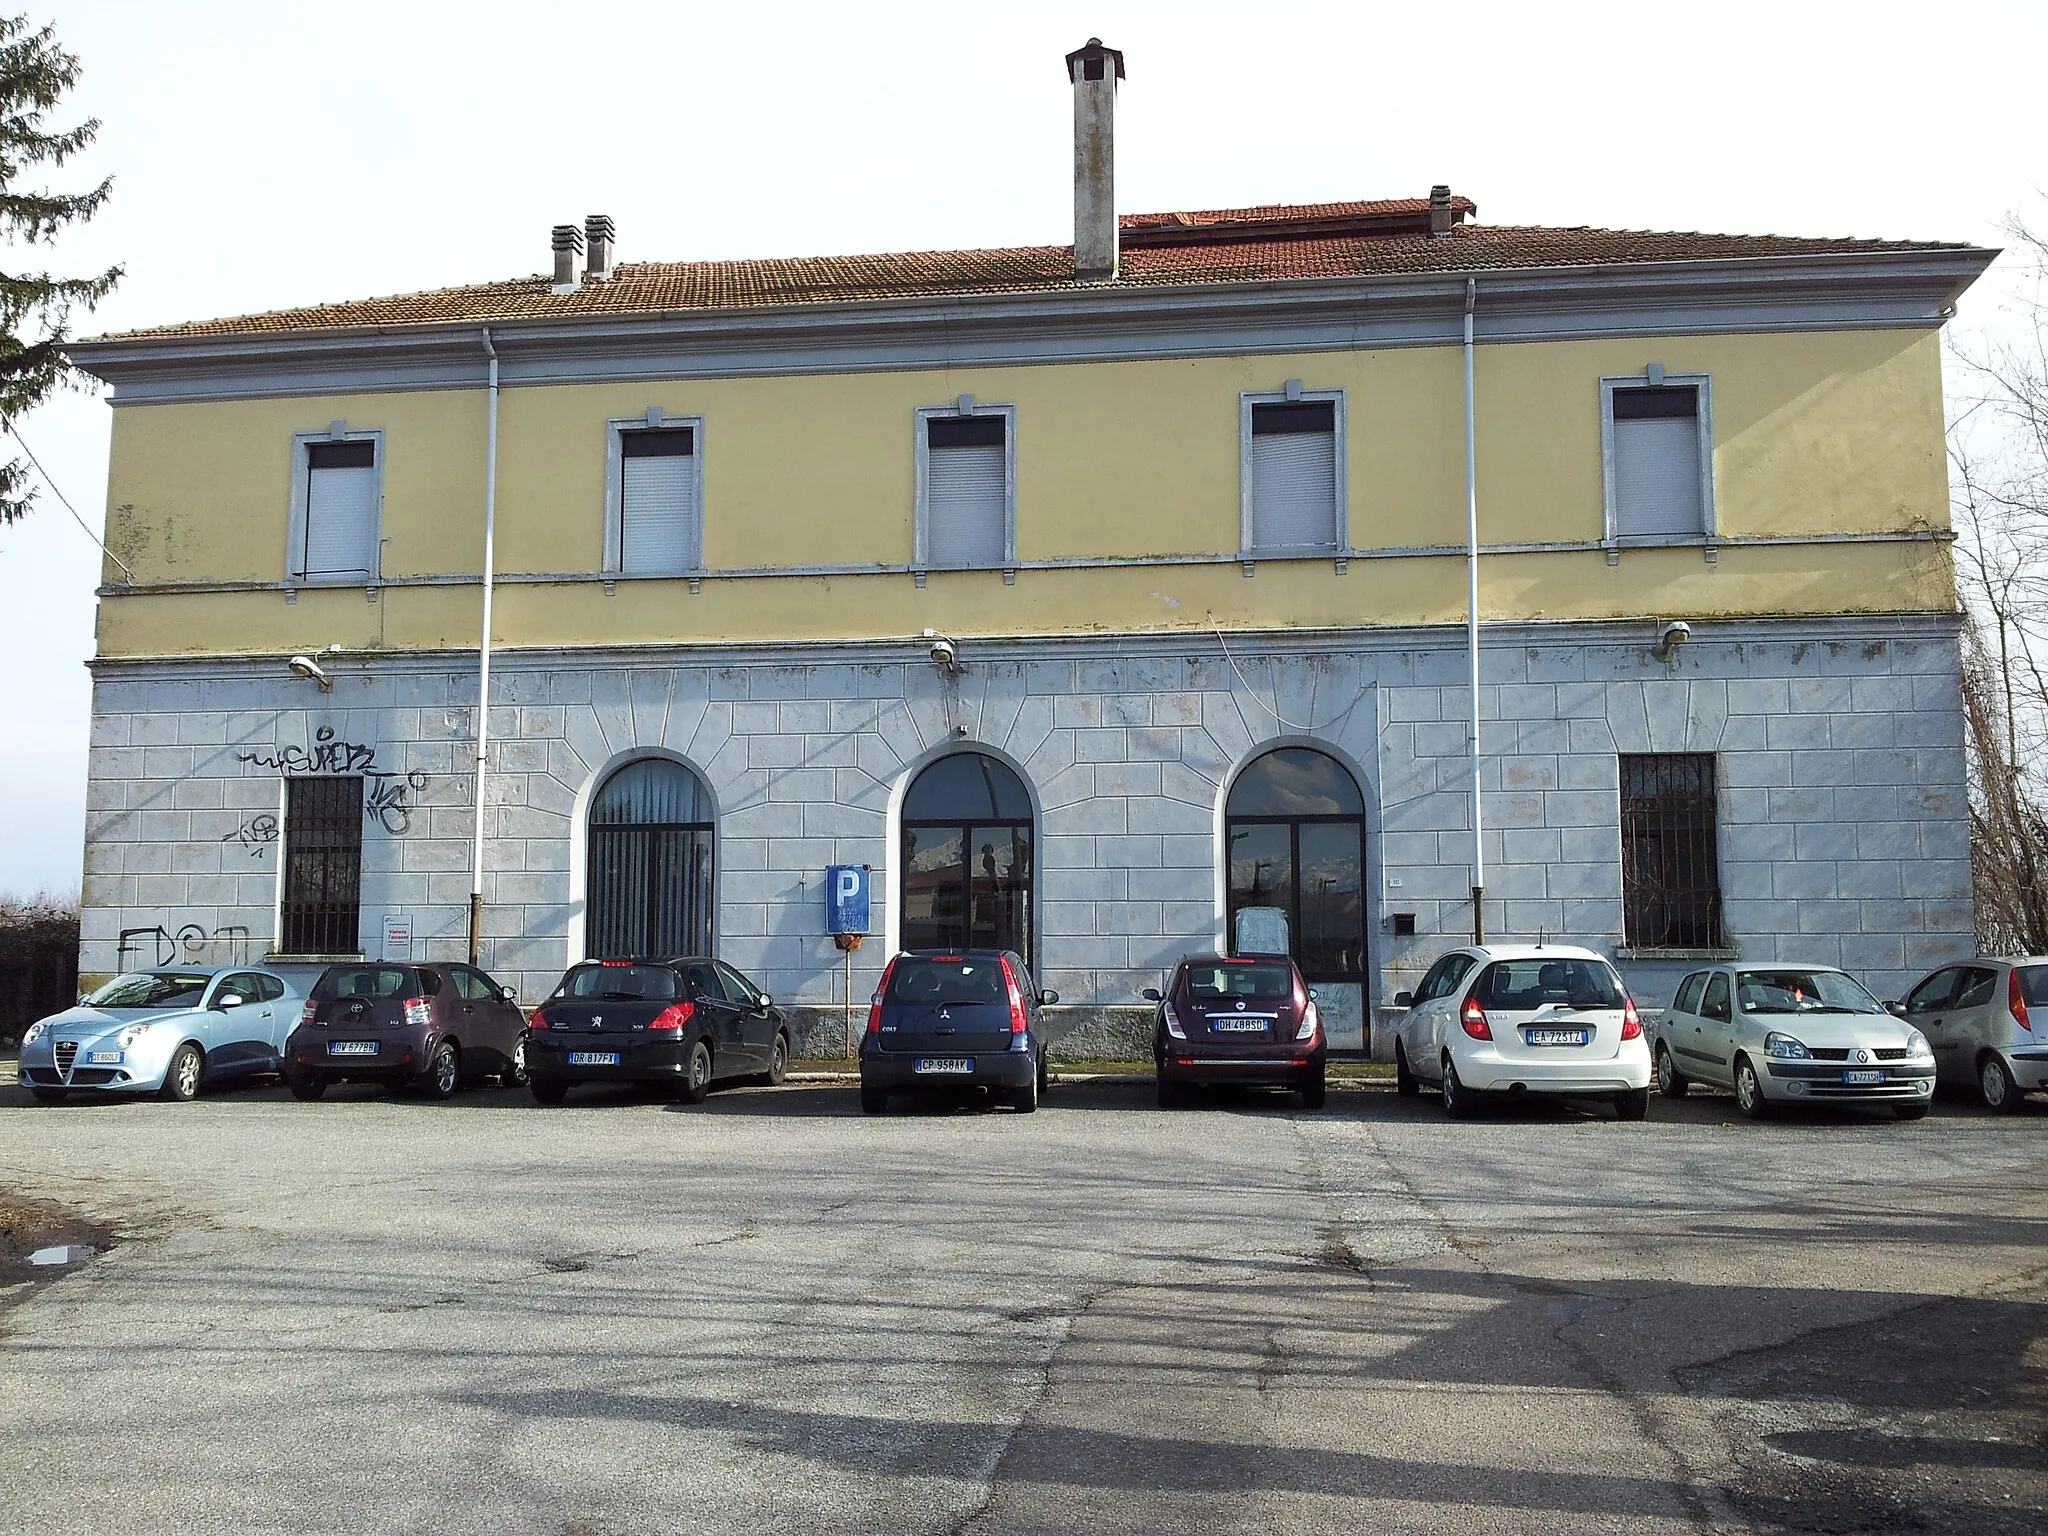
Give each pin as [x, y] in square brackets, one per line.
[1843, 824]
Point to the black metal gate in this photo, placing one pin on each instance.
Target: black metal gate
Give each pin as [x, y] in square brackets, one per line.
[323, 866]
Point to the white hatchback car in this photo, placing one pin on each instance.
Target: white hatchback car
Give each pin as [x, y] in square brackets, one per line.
[1988, 1021]
[1523, 1018]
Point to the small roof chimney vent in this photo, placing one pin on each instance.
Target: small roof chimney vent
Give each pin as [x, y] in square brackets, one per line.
[599, 232]
[1441, 215]
[568, 244]
[1095, 70]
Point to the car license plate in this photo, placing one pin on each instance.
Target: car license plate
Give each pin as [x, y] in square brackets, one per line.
[103, 1058]
[945, 1066]
[1862, 1079]
[1238, 1026]
[1556, 1036]
[352, 1047]
[593, 1058]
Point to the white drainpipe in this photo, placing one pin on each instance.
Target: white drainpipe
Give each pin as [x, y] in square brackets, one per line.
[483, 671]
[1472, 617]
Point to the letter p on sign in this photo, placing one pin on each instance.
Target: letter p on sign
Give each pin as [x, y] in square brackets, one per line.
[846, 898]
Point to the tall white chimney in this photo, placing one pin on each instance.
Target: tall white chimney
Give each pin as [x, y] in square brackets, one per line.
[600, 234]
[568, 247]
[1095, 71]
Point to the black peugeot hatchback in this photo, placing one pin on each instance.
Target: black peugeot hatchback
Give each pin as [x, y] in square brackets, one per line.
[677, 1024]
[955, 1019]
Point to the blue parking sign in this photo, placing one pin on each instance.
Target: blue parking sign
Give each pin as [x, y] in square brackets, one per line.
[846, 897]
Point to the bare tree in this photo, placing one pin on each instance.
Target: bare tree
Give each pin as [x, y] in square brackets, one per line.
[1998, 447]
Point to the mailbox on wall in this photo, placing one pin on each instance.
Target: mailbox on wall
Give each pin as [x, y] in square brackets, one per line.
[846, 898]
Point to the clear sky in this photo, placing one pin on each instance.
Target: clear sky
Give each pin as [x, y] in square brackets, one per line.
[271, 154]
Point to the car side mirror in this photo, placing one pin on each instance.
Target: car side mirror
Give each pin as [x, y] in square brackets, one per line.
[763, 1003]
[509, 995]
[1151, 995]
[228, 1000]
[1313, 994]
[1895, 1008]
[1047, 998]
[1404, 999]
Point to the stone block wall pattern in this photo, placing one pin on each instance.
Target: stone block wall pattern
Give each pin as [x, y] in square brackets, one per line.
[1844, 828]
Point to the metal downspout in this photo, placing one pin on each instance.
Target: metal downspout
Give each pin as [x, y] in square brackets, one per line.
[483, 671]
[1472, 618]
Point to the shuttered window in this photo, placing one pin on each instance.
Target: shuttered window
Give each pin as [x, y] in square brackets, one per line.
[966, 492]
[338, 540]
[1294, 477]
[660, 523]
[1657, 481]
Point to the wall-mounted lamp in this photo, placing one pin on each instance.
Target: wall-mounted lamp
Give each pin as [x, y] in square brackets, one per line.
[306, 666]
[944, 653]
[1674, 634]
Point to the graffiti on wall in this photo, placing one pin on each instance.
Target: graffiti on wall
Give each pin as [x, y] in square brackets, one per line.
[388, 799]
[255, 834]
[326, 755]
[187, 944]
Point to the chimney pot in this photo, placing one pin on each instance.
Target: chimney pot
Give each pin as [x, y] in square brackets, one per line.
[1441, 215]
[601, 235]
[568, 244]
[1095, 71]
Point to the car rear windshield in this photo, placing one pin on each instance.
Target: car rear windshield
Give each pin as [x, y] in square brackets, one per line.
[1526, 985]
[947, 981]
[610, 982]
[2033, 984]
[1797, 991]
[151, 989]
[1263, 981]
[367, 981]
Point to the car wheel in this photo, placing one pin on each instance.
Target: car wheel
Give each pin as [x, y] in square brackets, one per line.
[306, 1089]
[778, 1060]
[698, 1083]
[1749, 1093]
[2001, 1095]
[1024, 1100]
[1405, 1082]
[1169, 1092]
[547, 1090]
[515, 1074]
[181, 1081]
[1633, 1104]
[444, 1071]
[874, 1100]
[50, 1095]
[1671, 1082]
[1910, 1111]
[1459, 1101]
[1314, 1088]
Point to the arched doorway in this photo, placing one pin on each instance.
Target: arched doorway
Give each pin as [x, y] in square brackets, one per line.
[967, 857]
[1295, 824]
[650, 892]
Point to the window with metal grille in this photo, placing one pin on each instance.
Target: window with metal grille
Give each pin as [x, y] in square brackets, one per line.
[652, 846]
[1658, 461]
[964, 516]
[660, 522]
[1292, 464]
[336, 536]
[323, 866]
[1670, 870]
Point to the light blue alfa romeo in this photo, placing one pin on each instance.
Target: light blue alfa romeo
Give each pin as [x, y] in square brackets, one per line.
[162, 1032]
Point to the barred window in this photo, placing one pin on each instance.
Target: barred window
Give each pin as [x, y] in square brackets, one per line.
[323, 866]
[1671, 878]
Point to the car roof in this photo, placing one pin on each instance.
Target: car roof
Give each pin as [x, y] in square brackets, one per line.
[1533, 952]
[964, 954]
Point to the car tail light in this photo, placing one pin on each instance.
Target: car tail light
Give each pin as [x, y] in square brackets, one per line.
[616, 965]
[539, 1021]
[2016, 1000]
[1173, 1022]
[674, 1016]
[881, 990]
[1020, 1022]
[419, 1013]
[1631, 1021]
[1311, 1020]
[1473, 1018]
[310, 1014]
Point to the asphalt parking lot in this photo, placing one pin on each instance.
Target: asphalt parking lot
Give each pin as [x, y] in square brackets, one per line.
[770, 1314]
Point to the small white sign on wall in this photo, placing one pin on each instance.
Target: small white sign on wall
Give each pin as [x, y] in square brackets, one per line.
[397, 936]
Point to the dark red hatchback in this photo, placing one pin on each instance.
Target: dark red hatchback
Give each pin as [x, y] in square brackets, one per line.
[1232, 1019]
[427, 1025]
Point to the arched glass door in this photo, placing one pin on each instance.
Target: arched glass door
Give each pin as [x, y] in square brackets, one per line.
[651, 864]
[1296, 827]
[967, 858]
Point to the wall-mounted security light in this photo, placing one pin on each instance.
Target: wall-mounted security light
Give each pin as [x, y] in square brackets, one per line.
[1673, 635]
[306, 666]
[944, 653]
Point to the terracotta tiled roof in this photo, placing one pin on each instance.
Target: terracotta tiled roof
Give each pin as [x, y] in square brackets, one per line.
[1270, 244]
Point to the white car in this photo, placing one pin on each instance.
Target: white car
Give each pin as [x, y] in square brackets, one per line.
[1988, 1021]
[1523, 1018]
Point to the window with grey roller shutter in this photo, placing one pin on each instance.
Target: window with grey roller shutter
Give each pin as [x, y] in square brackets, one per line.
[966, 491]
[660, 526]
[1657, 463]
[1294, 476]
[341, 510]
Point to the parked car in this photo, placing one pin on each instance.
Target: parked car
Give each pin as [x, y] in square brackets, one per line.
[1225, 1019]
[1782, 1034]
[951, 1019]
[1988, 1023]
[162, 1032]
[680, 1025]
[430, 1026]
[1522, 1018]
